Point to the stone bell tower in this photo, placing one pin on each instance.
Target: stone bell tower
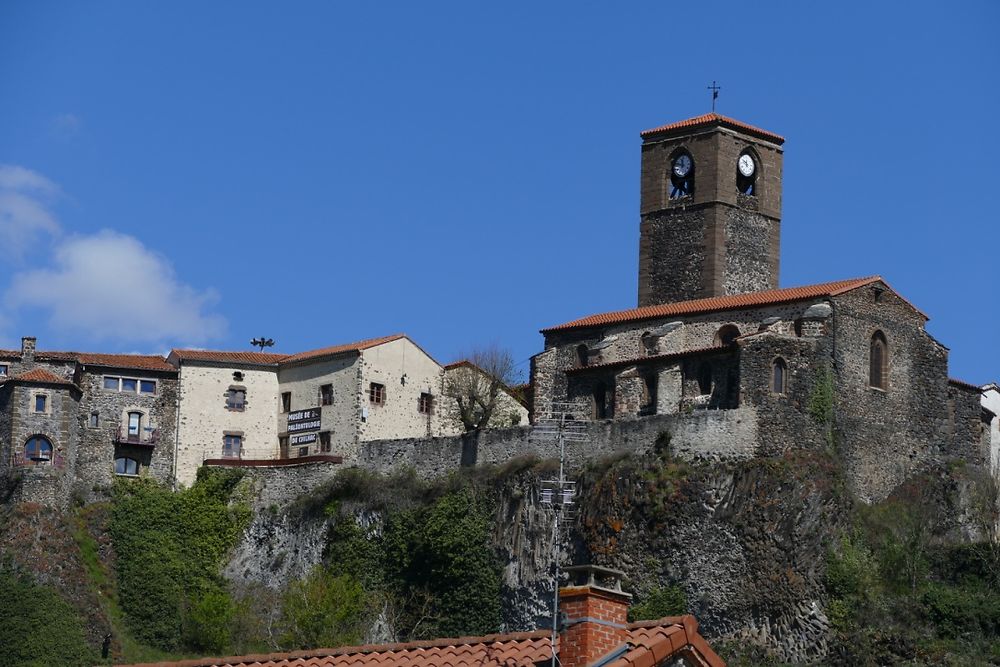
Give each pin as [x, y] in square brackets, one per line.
[710, 210]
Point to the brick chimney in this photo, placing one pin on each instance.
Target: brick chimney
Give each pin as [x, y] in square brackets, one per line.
[28, 349]
[594, 615]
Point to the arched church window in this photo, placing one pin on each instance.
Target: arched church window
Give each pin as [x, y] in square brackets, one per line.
[38, 449]
[779, 376]
[878, 361]
[727, 334]
[681, 175]
[746, 174]
[582, 355]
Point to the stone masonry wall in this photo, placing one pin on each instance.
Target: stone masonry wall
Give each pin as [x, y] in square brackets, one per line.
[885, 435]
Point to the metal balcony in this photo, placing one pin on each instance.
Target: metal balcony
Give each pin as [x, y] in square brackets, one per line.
[144, 438]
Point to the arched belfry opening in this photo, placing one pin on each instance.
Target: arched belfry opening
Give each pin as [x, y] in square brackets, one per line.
[726, 335]
[747, 171]
[681, 174]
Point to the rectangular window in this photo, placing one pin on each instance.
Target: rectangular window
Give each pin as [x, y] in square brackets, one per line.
[283, 446]
[41, 402]
[134, 423]
[147, 387]
[3, 370]
[303, 451]
[324, 442]
[286, 401]
[425, 403]
[95, 419]
[326, 394]
[129, 384]
[376, 393]
[232, 446]
[111, 383]
[236, 399]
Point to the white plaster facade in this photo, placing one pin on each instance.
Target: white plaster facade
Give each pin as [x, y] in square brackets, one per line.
[991, 401]
[204, 417]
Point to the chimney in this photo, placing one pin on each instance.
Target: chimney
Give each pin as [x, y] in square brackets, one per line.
[28, 349]
[594, 615]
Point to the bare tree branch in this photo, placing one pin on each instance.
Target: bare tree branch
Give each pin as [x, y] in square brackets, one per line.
[475, 386]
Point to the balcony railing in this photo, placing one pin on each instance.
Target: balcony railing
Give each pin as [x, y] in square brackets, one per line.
[56, 460]
[144, 438]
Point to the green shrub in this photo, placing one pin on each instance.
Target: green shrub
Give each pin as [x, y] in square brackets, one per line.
[660, 602]
[323, 610]
[37, 627]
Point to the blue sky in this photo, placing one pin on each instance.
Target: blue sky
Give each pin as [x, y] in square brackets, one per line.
[198, 174]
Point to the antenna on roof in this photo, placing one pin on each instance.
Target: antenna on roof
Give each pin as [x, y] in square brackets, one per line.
[558, 494]
[262, 343]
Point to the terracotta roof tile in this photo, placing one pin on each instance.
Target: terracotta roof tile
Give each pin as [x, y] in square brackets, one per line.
[718, 303]
[146, 362]
[711, 119]
[260, 358]
[41, 375]
[340, 349]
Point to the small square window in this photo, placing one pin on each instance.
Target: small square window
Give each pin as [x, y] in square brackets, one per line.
[232, 446]
[286, 401]
[326, 394]
[376, 393]
[147, 387]
[236, 399]
[324, 441]
[3, 370]
[425, 403]
[111, 383]
[129, 384]
[95, 420]
[41, 402]
[303, 451]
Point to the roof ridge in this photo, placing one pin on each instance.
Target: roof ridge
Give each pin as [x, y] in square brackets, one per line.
[714, 118]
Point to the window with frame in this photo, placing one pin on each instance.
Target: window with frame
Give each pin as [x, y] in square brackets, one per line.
[376, 393]
[779, 376]
[3, 370]
[425, 403]
[38, 449]
[232, 446]
[95, 420]
[236, 399]
[878, 362]
[134, 425]
[130, 385]
[324, 442]
[126, 466]
[41, 403]
[303, 451]
[326, 394]
[286, 401]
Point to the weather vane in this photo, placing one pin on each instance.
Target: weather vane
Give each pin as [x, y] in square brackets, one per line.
[715, 94]
[262, 342]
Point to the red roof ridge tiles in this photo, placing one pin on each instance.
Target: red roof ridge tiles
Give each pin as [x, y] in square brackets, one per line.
[356, 346]
[221, 356]
[720, 303]
[710, 119]
[147, 362]
[40, 375]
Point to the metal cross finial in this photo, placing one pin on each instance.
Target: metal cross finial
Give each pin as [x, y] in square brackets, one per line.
[715, 94]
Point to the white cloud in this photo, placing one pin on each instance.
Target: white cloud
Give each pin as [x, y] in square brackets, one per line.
[109, 286]
[24, 211]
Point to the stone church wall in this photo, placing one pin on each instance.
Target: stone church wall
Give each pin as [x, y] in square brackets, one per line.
[886, 435]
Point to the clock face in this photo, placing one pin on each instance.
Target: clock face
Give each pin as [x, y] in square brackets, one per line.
[746, 165]
[682, 165]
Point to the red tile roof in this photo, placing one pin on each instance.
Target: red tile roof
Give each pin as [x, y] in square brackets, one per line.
[146, 362]
[340, 349]
[711, 119]
[649, 643]
[259, 358]
[41, 375]
[718, 303]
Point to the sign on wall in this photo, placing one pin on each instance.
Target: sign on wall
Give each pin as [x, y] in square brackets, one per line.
[304, 420]
[303, 439]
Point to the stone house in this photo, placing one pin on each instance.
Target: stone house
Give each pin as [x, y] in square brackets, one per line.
[991, 416]
[324, 402]
[846, 363]
[71, 421]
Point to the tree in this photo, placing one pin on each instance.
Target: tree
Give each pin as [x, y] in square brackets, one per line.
[477, 386]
